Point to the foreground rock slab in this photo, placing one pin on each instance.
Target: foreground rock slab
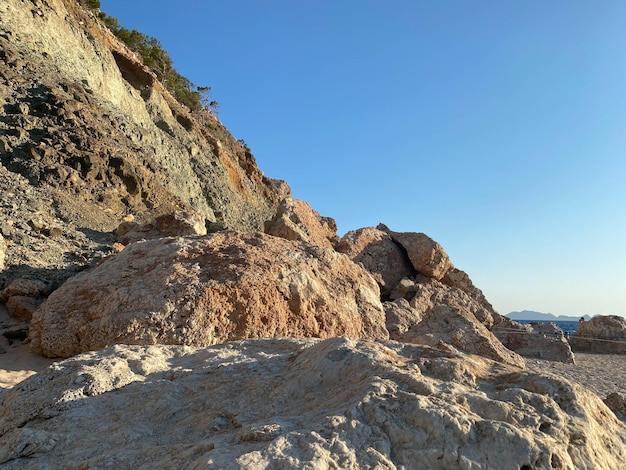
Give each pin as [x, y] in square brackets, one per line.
[200, 291]
[302, 403]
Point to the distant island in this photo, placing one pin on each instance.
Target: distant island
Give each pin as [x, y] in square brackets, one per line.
[530, 315]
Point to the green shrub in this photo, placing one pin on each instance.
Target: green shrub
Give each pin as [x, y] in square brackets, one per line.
[154, 56]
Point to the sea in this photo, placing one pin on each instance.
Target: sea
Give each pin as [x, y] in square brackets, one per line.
[566, 326]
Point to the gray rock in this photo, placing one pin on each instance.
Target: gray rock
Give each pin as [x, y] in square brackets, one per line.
[289, 403]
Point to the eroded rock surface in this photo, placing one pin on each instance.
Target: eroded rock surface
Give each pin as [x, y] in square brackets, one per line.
[204, 290]
[296, 220]
[427, 256]
[379, 254]
[334, 403]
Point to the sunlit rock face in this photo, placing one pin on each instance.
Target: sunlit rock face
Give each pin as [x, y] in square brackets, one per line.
[205, 290]
[302, 403]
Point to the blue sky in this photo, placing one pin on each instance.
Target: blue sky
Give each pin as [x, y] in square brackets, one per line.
[497, 128]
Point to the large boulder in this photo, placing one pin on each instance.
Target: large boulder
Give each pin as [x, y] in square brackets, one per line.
[205, 290]
[427, 256]
[433, 313]
[23, 296]
[455, 277]
[296, 220]
[302, 403]
[601, 334]
[379, 254]
[537, 340]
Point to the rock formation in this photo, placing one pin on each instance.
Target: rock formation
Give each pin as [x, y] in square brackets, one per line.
[302, 403]
[537, 340]
[177, 224]
[136, 221]
[97, 136]
[205, 290]
[3, 249]
[379, 254]
[296, 220]
[601, 334]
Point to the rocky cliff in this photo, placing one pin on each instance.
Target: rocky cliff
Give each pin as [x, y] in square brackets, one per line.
[92, 136]
[142, 239]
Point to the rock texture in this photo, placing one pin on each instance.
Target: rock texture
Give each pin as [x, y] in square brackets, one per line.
[336, 403]
[427, 256]
[23, 296]
[296, 220]
[176, 224]
[96, 137]
[437, 314]
[601, 334]
[3, 250]
[204, 290]
[379, 254]
[536, 340]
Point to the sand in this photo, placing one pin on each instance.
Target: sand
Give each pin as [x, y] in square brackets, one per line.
[601, 373]
[17, 363]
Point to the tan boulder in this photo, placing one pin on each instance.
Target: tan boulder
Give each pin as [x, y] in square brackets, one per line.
[537, 340]
[296, 220]
[460, 329]
[24, 287]
[21, 307]
[177, 224]
[436, 314]
[379, 254]
[601, 334]
[303, 403]
[205, 290]
[455, 277]
[427, 256]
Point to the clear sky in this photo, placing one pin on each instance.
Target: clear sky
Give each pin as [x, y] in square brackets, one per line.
[498, 128]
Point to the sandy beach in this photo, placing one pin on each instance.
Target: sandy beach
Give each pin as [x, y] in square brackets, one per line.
[17, 362]
[601, 373]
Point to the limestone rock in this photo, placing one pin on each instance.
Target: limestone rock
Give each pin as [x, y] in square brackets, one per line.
[455, 277]
[205, 290]
[379, 254]
[24, 287]
[537, 340]
[21, 307]
[617, 404]
[3, 250]
[459, 328]
[302, 403]
[601, 334]
[427, 256]
[429, 293]
[176, 224]
[400, 317]
[296, 220]
[404, 289]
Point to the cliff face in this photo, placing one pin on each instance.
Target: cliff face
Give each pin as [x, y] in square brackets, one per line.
[84, 120]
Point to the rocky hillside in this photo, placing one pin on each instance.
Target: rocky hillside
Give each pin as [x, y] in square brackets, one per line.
[211, 321]
[89, 136]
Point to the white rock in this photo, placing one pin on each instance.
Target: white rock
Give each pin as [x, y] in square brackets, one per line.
[293, 404]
